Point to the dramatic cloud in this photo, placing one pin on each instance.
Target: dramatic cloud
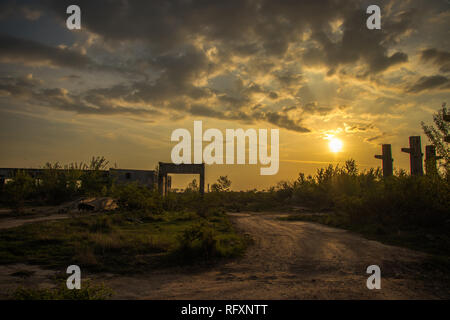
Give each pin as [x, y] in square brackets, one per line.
[438, 58]
[34, 53]
[30, 90]
[242, 60]
[438, 82]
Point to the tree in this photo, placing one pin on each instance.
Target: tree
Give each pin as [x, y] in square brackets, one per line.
[94, 180]
[18, 190]
[436, 134]
[222, 184]
[192, 186]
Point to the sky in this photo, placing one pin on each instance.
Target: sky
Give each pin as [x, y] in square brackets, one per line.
[138, 70]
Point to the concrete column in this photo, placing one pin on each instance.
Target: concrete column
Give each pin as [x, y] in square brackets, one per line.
[415, 155]
[161, 183]
[386, 157]
[202, 180]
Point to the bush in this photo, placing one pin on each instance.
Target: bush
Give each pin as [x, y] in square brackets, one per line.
[18, 190]
[196, 242]
[367, 197]
[58, 184]
[134, 196]
[94, 180]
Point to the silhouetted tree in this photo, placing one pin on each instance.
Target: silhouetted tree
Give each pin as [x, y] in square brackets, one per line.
[436, 134]
[222, 184]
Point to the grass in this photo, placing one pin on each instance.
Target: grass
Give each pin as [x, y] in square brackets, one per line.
[87, 291]
[121, 242]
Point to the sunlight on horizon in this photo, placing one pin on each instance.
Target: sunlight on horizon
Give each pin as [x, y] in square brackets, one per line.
[335, 145]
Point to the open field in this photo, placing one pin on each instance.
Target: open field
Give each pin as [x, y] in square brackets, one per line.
[118, 242]
[287, 260]
[279, 243]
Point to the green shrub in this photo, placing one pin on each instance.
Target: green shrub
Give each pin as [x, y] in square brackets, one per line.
[196, 242]
[134, 196]
[58, 184]
[365, 197]
[94, 180]
[18, 190]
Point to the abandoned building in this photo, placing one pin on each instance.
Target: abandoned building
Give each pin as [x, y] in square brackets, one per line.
[145, 177]
[164, 181]
[150, 178]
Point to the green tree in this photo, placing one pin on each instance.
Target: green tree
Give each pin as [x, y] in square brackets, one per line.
[192, 186]
[436, 134]
[95, 180]
[222, 184]
[18, 190]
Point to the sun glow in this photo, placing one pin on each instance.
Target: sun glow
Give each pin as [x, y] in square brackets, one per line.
[335, 145]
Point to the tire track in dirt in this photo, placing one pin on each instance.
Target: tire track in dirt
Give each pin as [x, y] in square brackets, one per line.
[290, 260]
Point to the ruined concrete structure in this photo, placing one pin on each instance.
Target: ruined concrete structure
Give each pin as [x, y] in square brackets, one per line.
[148, 178]
[145, 177]
[167, 168]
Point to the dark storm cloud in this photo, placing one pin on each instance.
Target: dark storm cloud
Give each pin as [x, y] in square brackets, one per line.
[281, 120]
[437, 82]
[187, 41]
[15, 10]
[30, 90]
[18, 87]
[358, 44]
[100, 102]
[248, 27]
[437, 57]
[31, 52]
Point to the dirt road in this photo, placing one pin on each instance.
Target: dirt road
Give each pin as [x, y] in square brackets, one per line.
[7, 223]
[288, 260]
[291, 260]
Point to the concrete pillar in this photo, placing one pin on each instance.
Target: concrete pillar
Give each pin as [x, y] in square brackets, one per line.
[166, 184]
[415, 155]
[169, 183]
[161, 183]
[202, 180]
[386, 157]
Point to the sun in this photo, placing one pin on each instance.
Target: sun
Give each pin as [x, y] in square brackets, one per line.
[335, 145]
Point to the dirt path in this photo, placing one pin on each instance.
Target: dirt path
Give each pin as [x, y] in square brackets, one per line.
[288, 260]
[7, 223]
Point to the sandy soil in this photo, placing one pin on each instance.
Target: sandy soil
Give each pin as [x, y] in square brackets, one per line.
[288, 260]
